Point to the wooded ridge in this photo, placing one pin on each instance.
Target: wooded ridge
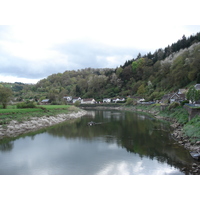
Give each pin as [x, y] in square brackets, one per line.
[149, 76]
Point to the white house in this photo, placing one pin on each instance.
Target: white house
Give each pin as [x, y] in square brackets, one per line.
[45, 101]
[115, 100]
[141, 100]
[88, 101]
[106, 100]
[67, 98]
[76, 99]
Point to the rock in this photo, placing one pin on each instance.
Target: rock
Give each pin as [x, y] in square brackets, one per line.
[183, 169]
[198, 142]
[194, 165]
[15, 128]
[180, 142]
[196, 171]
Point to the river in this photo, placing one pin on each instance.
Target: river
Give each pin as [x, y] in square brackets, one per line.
[124, 143]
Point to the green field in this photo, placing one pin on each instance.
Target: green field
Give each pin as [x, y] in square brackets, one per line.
[12, 113]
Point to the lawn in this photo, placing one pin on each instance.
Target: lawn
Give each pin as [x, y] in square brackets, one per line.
[12, 113]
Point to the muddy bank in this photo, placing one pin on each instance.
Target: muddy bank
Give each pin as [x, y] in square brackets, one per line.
[15, 128]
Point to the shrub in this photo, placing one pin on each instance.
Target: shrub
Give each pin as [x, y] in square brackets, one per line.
[184, 102]
[77, 103]
[129, 101]
[173, 105]
[27, 104]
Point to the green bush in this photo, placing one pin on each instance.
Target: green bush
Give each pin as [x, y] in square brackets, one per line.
[129, 101]
[173, 105]
[27, 104]
[77, 103]
[184, 102]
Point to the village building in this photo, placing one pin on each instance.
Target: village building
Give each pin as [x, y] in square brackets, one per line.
[173, 97]
[182, 91]
[115, 100]
[107, 100]
[45, 102]
[88, 101]
[76, 99]
[67, 98]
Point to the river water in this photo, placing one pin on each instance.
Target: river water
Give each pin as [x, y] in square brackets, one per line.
[125, 143]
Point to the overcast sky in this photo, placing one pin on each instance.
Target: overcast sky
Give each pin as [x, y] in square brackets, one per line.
[54, 36]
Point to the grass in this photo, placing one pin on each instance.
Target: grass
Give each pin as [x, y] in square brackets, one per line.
[179, 113]
[12, 113]
[192, 129]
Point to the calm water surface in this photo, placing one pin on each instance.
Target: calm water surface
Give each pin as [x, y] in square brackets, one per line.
[125, 143]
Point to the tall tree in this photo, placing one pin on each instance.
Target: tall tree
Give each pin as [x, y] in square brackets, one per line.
[5, 94]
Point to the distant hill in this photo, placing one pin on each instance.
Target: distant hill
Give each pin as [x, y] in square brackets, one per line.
[150, 76]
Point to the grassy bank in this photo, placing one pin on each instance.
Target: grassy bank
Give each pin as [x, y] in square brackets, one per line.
[180, 115]
[12, 113]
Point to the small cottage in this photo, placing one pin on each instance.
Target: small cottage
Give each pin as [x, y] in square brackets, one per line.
[115, 100]
[106, 100]
[88, 101]
[76, 99]
[173, 97]
[45, 102]
[67, 98]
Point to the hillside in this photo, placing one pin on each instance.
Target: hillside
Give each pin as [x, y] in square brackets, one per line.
[150, 76]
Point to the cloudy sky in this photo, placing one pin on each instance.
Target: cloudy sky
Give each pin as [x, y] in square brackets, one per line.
[39, 38]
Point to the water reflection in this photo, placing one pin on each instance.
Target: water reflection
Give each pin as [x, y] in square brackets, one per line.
[125, 143]
[8, 146]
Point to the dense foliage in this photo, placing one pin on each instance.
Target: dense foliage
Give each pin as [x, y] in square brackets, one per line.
[149, 76]
[27, 104]
[5, 95]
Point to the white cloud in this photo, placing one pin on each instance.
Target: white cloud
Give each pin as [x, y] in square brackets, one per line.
[54, 36]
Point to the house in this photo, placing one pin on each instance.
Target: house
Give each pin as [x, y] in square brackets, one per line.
[106, 100]
[173, 97]
[67, 98]
[165, 99]
[115, 100]
[45, 101]
[177, 97]
[76, 99]
[182, 91]
[88, 101]
[141, 100]
[197, 86]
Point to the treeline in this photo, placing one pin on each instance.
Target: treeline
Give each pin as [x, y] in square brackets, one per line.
[149, 76]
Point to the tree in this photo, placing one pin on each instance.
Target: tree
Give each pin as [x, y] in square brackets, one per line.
[5, 94]
[193, 94]
[141, 89]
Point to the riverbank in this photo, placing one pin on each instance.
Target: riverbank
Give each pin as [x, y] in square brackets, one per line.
[178, 131]
[15, 128]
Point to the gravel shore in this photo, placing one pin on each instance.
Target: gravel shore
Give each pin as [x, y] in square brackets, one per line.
[15, 128]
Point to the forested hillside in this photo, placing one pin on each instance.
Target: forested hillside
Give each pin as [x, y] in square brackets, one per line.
[150, 76]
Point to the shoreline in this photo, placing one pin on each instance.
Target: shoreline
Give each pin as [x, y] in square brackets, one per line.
[177, 134]
[14, 128]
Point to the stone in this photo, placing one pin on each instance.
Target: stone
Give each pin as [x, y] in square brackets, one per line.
[194, 165]
[198, 142]
[183, 169]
